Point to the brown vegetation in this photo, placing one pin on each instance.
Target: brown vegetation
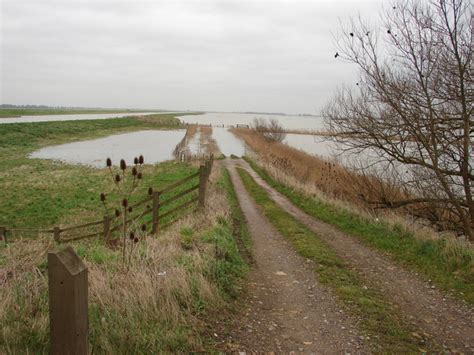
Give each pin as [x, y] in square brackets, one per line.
[207, 142]
[364, 190]
[413, 104]
[155, 303]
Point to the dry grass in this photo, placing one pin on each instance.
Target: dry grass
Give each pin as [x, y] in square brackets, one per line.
[332, 179]
[333, 183]
[156, 303]
[209, 143]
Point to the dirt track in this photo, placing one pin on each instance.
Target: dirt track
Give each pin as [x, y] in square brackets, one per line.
[447, 321]
[286, 309]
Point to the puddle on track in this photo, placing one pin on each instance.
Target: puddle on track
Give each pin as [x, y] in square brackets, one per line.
[156, 146]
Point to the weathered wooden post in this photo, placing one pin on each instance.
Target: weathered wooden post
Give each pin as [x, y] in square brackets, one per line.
[3, 234]
[202, 185]
[156, 213]
[57, 234]
[106, 228]
[68, 299]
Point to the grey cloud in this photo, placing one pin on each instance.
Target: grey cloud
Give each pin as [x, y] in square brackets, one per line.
[202, 55]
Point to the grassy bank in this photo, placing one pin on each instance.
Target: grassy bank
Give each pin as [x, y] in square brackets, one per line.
[449, 264]
[174, 285]
[38, 193]
[378, 318]
[16, 112]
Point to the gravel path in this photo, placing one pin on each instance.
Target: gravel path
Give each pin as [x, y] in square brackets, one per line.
[285, 308]
[449, 322]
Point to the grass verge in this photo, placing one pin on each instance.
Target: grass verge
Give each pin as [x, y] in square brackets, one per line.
[162, 301]
[385, 327]
[448, 265]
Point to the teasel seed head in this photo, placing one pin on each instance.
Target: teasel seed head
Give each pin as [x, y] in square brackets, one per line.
[141, 160]
[108, 162]
[136, 240]
[150, 191]
[143, 227]
[117, 178]
[135, 161]
[139, 176]
[124, 202]
[117, 213]
[130, 209]
[132, 235]
[134, 171]
[102, 196]
[123, 165]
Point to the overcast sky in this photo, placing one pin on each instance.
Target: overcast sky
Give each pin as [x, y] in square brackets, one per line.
[273, 56]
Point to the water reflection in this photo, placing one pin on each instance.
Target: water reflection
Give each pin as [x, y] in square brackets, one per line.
[233, 119]
[156, 146]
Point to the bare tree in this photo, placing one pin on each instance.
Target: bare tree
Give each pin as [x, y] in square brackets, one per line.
[271, 130]
[413, 103]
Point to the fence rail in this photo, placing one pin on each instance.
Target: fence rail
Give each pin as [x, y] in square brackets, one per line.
[156, 210]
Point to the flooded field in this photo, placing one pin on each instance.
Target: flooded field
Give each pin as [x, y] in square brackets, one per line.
[156, 146]
[311, 144]
[233, 119]
[228, 143]
[77, 117]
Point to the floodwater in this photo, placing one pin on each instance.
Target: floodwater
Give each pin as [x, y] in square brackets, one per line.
[92, 116]
[233, 119]
[311, 144]
[156, 146]
[228, 143]
[194, 145]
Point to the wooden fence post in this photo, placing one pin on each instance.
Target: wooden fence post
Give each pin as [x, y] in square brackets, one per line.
[3, 234]
[57, 234]
[202, 185]
[106, 228]
[68, 300]
[156, 213]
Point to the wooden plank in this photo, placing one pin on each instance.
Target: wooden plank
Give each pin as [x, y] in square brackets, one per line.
[177, 183]
[156, 212]
[181, 194]
[82, 237]
[139, 203]
[68, 302]
[57, 234]
[179, 207]
[106, 230]
[31, 230]
[202, 185]
[96, 223]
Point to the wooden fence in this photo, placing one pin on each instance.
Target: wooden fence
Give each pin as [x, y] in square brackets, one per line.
[158, 210]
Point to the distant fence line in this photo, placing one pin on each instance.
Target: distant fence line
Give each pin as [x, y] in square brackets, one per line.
[237, 125]
[109, 224]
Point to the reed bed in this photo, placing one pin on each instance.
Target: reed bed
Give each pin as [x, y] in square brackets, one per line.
[332, 179]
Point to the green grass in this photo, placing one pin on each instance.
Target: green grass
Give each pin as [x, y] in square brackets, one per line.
[39, 193]
[238, 218]
[125, 316]
[450, 268]
[387, 329]
[16, 112]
